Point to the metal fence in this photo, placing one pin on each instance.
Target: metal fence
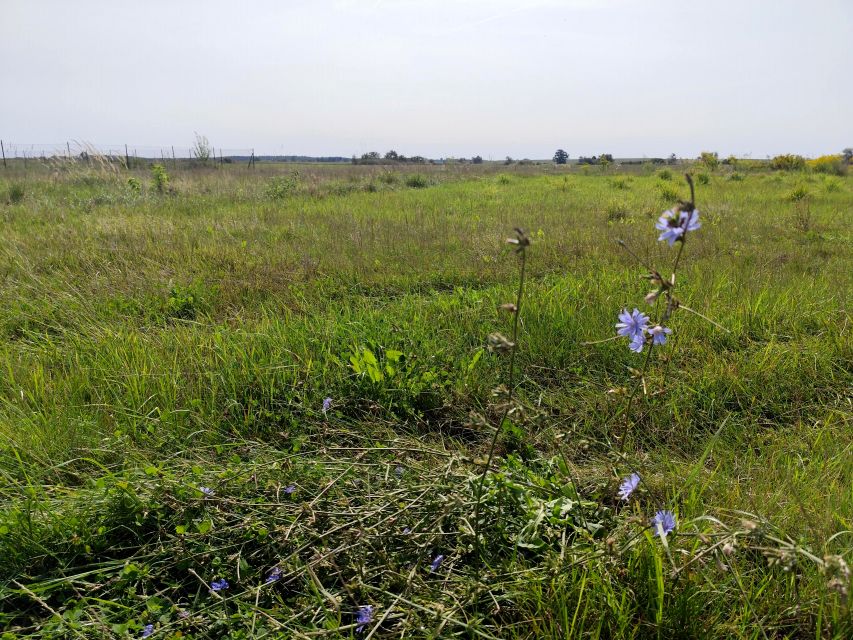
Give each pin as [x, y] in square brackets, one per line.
[127, 152]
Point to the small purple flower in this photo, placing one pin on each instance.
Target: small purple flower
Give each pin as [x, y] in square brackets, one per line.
[689, 221]
[399, 470]
[436, 563]
[673, 227]
[207, 491]
[664, 522]
[219, 585]
[147, 630]
[637, 343]
[659, 334]
[632, 324]
[290, 489]
[327, 404]
[364, 617]
[628, 486]
[406, 531]
[274, 576]
[668, 224]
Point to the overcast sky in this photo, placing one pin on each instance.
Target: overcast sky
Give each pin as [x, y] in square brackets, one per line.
[433, 77]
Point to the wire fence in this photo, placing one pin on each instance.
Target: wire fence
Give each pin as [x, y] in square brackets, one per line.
[73, 149]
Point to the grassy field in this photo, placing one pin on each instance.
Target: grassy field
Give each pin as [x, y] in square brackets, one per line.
[166, 353]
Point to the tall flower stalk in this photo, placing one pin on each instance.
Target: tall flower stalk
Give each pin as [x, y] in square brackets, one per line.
[675, 225]
[500, 344]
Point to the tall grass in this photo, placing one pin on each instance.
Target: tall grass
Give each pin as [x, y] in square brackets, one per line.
[156, 345]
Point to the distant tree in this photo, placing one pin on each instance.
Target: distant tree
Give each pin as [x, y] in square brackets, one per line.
[560, 156]
[848, 154]
[605, 159]
[391, 155]
[370, 155]
[477, 160]
[672, 159]
[508, 160]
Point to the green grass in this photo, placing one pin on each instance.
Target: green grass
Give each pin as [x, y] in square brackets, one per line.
[154, 343]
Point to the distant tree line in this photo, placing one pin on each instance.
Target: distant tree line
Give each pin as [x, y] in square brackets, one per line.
[391, 157]
[337, 159]
[604, 158]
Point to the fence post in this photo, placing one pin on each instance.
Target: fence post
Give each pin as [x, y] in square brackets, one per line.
[220, 157]
[68, 146]
[3, 149]
[252, 160]
[174, 159]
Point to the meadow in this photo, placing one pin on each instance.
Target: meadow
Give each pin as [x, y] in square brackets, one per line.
[280, 378]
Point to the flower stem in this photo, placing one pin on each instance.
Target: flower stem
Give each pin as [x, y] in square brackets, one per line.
[510, 387]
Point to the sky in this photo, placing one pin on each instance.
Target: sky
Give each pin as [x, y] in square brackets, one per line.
[435, 78]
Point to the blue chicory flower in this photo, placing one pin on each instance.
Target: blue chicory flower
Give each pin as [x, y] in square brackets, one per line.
[207, 491]
[147, 630]
[631, 324]
[637, 343]
[219, 585]
[689, 220]
[673, 227]
[364, 617]
[628, 486]
[436, 563]
[659, 334]
[327, 404]
[274, 576]
[290, 489]
[664, 522]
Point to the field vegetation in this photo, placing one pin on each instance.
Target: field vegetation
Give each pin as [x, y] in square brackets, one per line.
[258, 403]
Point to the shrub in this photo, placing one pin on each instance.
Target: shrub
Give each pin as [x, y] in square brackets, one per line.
[417, 181]
[160, 179]
[799, 193]
[832, 185]
[621, 183]
[617, 212]
[803, 217]
[709, 159]
[788, 162]
[832, 165]
[751, 165]
[665, 174]
[703, 178]
[280, 187]
[134, 186]
[16, 193]
[736, 177]
[668, 193]
[388, 177]
[185, 302]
